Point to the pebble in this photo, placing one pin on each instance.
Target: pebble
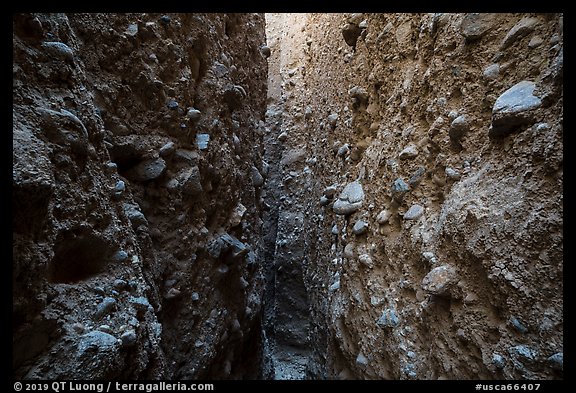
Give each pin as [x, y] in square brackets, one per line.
[283, 137]
[119, 188]
[332, 119]
[498, 361]
[141, 304]
[195, 296]
[257, 179]
[120, 256]
[430, 257]
[96, 341]
[491, 72]
[366, 260]
[128, 338]
[172, 104]
[416, 177]
[522, 351]
[148, 169]
[415, 212]
[458, 128]
[361, 359]
[360, 227]
[167, 150]
[518, 325]
[202, 141]
[383, 217]
[107, 305]
[329, 192]
[132, 29]
[324, 201]
[409, 152]
[334, 286]
[237, 215]
[59, 50]
[265, 50]
[78, 327]
[350, 199]
[521, 29]
[193, 114]
[475, 25]
[172, 293]
[363, 24]
[440, 280]
[535, 42]
[351, 32]
[105, 329]
[165, 19]
[514, 108]
[388, 318]
[556, 361]
[120, 284]
[452, 173]
[335, 230]
[134, 214]
[342, 151]
[349, 250]
[399, 188]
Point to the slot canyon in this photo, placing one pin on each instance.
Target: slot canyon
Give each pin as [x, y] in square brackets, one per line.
[287, 196]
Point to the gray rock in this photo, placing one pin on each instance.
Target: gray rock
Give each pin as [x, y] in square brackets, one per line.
[59, 50]
[193, 114]
[120, 284]
[120, 186]
[132, 30]
[335, 286]
[430, 257]
[410, 151]
[342, 151]
[324, 201]
[491, 72]
[105, 329]
[141, 304]
[399, 188]
[120, 256]
[361, 359]
[265, 50]
[165, 19]
[452, 173]
[351, 32]
[416, 177]
[518, 325]
[283, 137]
[521, 29]
[172, 104]
[359, 96]
[458, 128]
[333, 119]
[360, 227]
[335, 230]
[389, 318]
[128, 338]
[190, 181]
[195, 296]
[96, 341]
[107, 306]
[257, 179]
[363, 24]
[78, 327]
[148, 170]
[556, 361]
[514, 108]
[535, 42]
[330, 191]
[350, 199]
[440, 280]
[134, 214]
[187, 156]
[415, 212]
[522, 352]
[202, 141]
[383, 217]
[498, 361]
[349, 250]
[366, 260]
[476, 25]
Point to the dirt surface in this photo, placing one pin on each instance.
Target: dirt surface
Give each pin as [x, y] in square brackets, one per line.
[135, 241]
[445, 260]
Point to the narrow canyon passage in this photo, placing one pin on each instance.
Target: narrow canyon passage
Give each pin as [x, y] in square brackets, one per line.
[287, 196]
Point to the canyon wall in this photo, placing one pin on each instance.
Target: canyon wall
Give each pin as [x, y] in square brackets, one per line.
[423, 155]
[137, 168]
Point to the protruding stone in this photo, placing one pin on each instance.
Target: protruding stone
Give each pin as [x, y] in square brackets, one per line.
[556, 361]
[324, 201]
[333, 119]
[514, 108]
[265, 50]
[491, 72]
[351, 32]
[343, 150]
[141, 304]
[409, 152]
[361, 360]
[383, 217]
[59, 50]
[430, 257]
[190, 181]
[350, 199]
[458, 128]
[134, 214]
[330, 191]
[335, 286]
[518, 325]
[283, 137]
[399, 189]
[148, 170]
[360, 227]
[415, 212]
[452, 173]
[257, 179]
[349, 250]
[172, 293]
[202, 141]
[521, 29]
[193, 114]
[335, 230]
[366, 260]
[107, 305]
[237, 214]
[476, 25]
[167, 150]
[440, 280]
[128, 338]
[389, 318]
[120, 256]
[498, 361]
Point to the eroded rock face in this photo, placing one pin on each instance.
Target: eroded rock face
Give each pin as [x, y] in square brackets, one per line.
[464, 229]
[124, 167]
